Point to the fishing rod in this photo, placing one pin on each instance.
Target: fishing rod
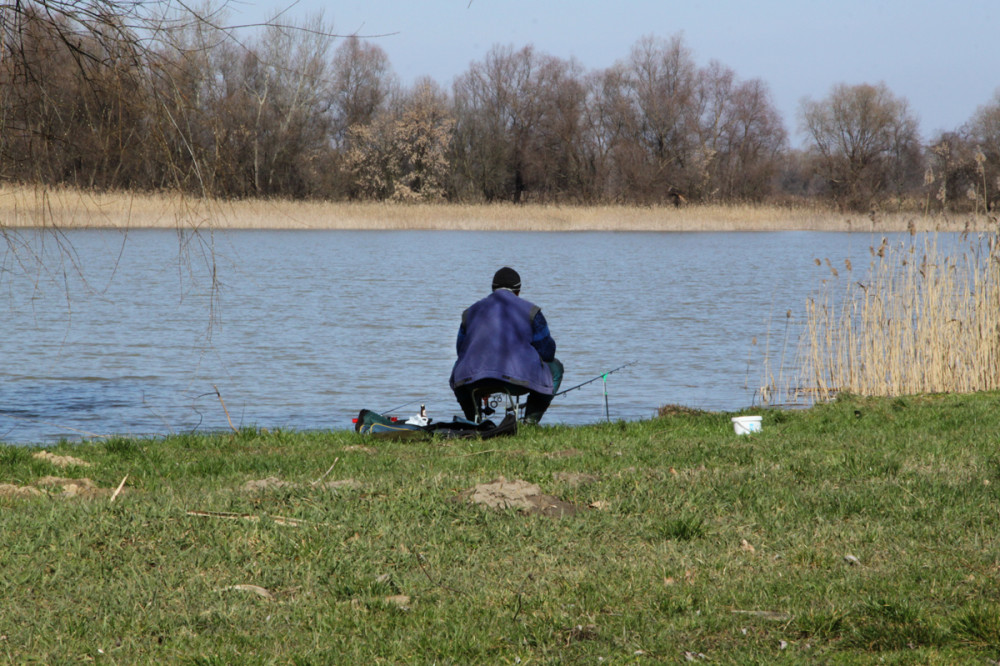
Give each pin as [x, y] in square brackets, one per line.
[604, 377]
[600, 376]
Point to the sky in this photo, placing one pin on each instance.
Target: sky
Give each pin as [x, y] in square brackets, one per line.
[942, 57]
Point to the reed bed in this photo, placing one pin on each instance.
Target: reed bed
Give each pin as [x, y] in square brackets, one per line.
[32, 207]
[925, 320]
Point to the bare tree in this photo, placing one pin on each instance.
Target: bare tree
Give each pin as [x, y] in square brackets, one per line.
[984, 131]
[497, 112]
[861, 136]
[741, 137]
[661, 86]
[954, 178]
[72, 94]
[362, 82]
[554, 163]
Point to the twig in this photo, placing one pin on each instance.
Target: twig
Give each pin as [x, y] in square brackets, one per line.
[119, 489]
[316, 482]
[520, 596]
[420, 562]
[224, 408]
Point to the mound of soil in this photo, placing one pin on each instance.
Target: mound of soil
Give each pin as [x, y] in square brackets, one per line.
[60, 461]
[10, 490]
[74, 487]
[521, 495]
[84, 488]
[677, 410]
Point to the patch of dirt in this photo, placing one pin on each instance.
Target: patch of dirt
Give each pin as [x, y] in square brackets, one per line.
[60, 461]
[266, 484]
[677, 410]
[574, 478]
[521, 495]
[84, 488]
[10, 490]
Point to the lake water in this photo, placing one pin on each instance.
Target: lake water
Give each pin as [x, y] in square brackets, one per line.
[114, 333]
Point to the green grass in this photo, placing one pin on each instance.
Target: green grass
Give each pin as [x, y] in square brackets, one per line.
[654, 566]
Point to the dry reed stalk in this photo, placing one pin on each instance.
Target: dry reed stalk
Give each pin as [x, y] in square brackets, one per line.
[118, 489]
[316, 482]
[32, 207]
[223, 402]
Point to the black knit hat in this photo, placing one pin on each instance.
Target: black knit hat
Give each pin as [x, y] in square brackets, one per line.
[507, 278]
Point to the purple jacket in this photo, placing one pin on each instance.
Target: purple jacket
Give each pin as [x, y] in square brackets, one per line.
[504, 337]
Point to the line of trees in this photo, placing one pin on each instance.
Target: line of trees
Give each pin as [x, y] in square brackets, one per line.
[111, 94]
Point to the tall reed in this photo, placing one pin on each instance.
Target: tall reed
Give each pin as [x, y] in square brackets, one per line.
[925, 320]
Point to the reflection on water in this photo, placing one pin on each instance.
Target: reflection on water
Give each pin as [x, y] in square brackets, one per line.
[107, 334]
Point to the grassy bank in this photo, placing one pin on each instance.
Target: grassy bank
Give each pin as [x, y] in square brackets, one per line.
[850, 532]
[25, 207]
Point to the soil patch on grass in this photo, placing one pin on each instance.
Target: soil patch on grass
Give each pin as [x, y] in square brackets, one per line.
[677, 410]
[60, 461]
[269, 483]
[517, 494]
[53, 485]
[11, 490]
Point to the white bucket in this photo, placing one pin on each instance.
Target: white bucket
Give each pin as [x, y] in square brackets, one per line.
[744, 425]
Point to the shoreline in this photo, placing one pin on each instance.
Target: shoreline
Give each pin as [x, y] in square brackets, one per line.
[59, 208]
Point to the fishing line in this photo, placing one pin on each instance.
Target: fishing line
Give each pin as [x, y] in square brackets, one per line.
[405, 404]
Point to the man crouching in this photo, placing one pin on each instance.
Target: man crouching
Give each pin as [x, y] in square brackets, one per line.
[504, 346]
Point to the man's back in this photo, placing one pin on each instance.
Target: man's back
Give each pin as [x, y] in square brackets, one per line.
[495, 342]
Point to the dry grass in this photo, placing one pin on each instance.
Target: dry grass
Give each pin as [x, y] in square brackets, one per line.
[923, 321]
[66, 208]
